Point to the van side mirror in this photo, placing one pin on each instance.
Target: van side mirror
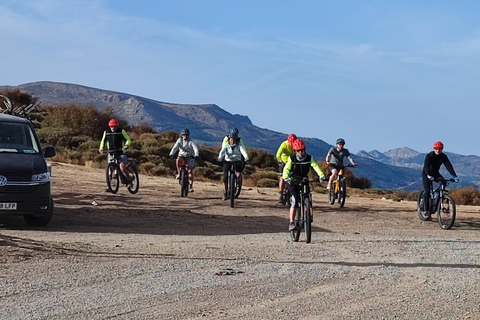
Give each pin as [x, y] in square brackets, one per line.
[49, 152]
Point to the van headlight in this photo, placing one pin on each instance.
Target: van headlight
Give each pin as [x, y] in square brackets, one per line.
[41, 177]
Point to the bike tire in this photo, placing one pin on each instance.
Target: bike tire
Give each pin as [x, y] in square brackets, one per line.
[238, 187]
[133, 179]
[446, 212]
[342, 193]
[422, 214]
[183, 183]
[113, 180]
[307, 221]
[295, 233]
[331, 194]
[231, 189]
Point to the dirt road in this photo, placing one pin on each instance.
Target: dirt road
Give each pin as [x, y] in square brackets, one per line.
[155, 255]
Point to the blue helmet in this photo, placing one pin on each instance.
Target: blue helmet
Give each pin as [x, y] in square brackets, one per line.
[185, 131]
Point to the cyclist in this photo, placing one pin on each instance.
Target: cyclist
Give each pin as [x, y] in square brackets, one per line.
[334, 159]
[232, 151]
[431, 171]
[116, 139]
[187, 148]
[296, 168]
[234, 132]
[283, 153]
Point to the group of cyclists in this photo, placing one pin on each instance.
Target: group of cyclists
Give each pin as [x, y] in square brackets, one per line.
[293, 160]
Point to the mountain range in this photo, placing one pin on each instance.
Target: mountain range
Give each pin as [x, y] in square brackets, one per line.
[394, 169]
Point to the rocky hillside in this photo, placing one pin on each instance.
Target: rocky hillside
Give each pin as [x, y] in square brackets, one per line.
[397, 168]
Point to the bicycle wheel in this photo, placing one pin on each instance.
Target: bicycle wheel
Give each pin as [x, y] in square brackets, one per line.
[238, 187]
[232, 179]
[446, 212]
[307, 211]
[183, 183]
[295, 233]
[113, 181]
[342, 193]
[422, 214]
[133, 177]
[331, 193]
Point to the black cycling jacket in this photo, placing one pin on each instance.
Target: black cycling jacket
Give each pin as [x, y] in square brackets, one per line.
[431, 166]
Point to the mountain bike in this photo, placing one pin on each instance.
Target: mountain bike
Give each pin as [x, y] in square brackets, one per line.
[234, 186]
[114, 175]
[338, 189]
[303, 213]
[183, 175]
[441, 202]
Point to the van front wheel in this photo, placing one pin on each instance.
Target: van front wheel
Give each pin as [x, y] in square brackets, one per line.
[40, 221]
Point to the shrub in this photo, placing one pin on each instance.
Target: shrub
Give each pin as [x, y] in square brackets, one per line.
[267, 183]
[466, 196]
[264, 175]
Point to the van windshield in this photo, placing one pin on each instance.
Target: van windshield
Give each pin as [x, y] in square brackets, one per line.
[17, 138]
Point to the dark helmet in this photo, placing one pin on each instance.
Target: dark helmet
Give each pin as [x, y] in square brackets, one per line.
[298, 145]
[185, 132]
[233, 133]
[340, 141]
[113, 123]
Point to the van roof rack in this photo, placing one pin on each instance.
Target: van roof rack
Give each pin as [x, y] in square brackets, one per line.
[23, 111]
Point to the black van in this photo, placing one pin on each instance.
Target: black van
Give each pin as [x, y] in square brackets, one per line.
[24, 175]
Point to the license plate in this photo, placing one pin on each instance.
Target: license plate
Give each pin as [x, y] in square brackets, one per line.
[8, 206]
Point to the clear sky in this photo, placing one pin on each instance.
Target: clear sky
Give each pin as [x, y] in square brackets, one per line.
[381, 74]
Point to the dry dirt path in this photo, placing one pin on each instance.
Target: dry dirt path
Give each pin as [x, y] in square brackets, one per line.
[154, 255]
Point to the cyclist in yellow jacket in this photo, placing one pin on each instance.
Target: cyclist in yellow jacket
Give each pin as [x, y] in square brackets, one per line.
[283, 153]
[296, 168]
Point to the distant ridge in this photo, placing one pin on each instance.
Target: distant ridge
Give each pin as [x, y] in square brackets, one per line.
[396, 168]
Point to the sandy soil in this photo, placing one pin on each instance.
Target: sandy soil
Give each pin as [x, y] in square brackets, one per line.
[155, 255]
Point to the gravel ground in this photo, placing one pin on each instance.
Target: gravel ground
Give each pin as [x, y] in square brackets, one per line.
[154, 255]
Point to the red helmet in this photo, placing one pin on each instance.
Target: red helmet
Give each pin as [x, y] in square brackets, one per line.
[291, 138]
[438, 145]
[298, 145]
[113, 123]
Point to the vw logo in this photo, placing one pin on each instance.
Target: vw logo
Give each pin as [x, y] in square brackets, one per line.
[3, 180]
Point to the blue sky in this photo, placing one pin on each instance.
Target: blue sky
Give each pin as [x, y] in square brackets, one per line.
[380, 74]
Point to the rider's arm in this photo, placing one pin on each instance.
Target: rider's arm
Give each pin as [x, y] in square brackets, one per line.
[281, 157]
[286, 169]
[426, 164]
[127, 138]
[317, 169]
[175, 147]
[241, 142]
[102, 143]
[222, 152]
[225, 141]
[196, 152]
[449, 166]
[243, 150]
[329, 154]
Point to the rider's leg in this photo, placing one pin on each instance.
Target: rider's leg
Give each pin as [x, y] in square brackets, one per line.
[426, 192]
[332, 176]
[281, 187]
[190, 177]
[226, 168]
[178, 167]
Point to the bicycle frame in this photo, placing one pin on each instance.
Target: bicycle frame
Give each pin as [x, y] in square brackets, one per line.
[184, 175]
